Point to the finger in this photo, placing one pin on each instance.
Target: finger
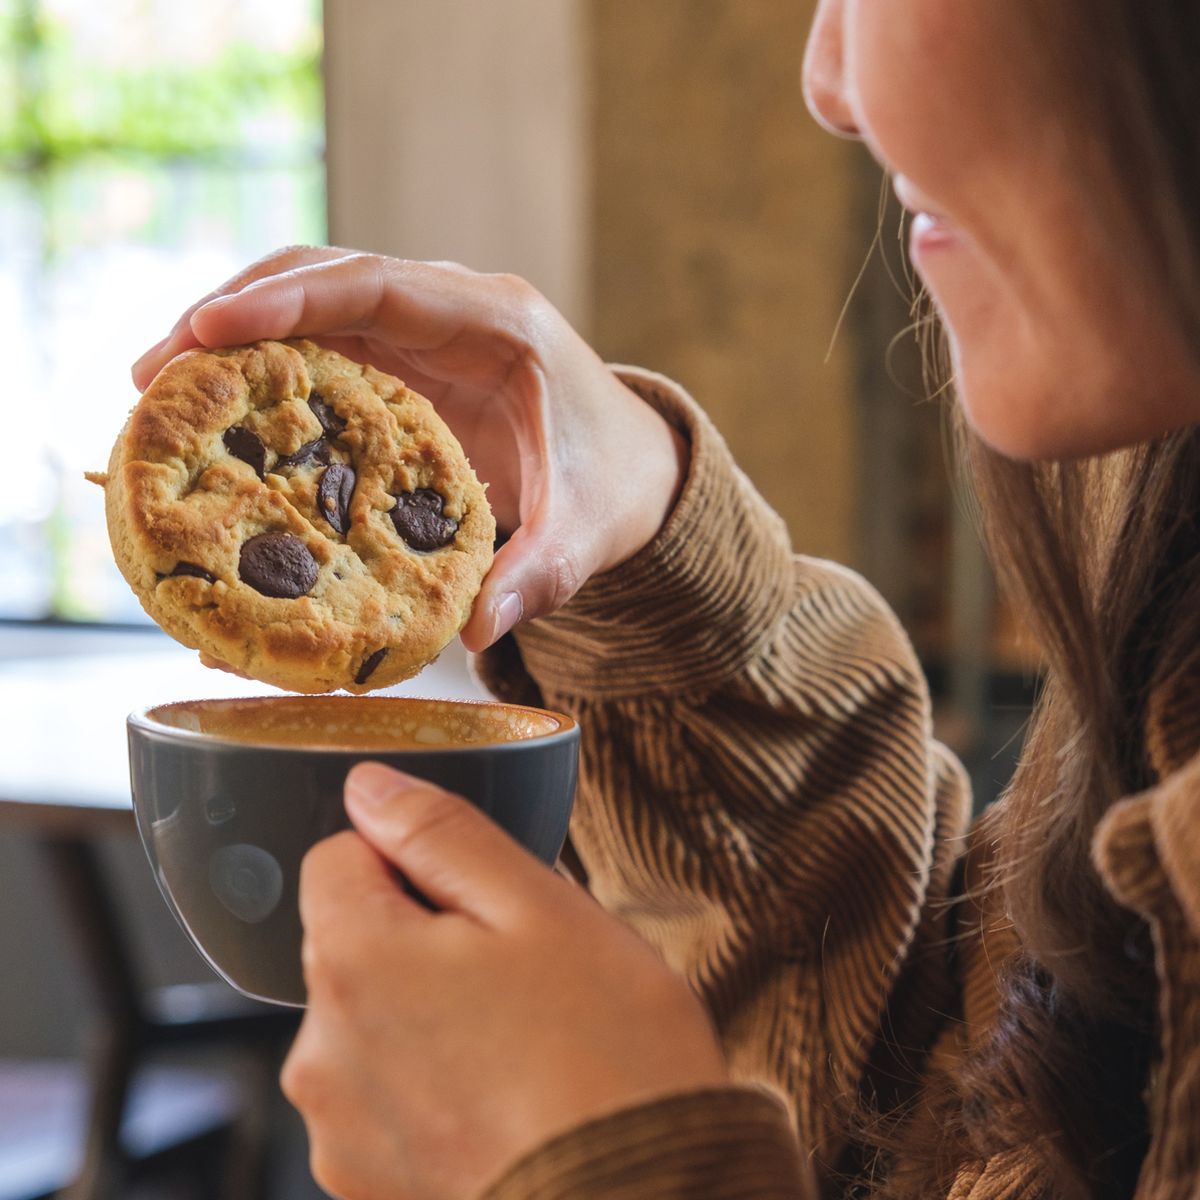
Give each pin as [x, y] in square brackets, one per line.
[532, 575]
[181, 337]
[446, 847]
[415, 307]
[345, 1143]
[375, 353]
[343, 884]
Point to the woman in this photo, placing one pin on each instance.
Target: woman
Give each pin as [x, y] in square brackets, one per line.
[875, 1000]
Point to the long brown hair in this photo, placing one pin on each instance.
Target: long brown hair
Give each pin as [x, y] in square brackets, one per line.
[1102, 557]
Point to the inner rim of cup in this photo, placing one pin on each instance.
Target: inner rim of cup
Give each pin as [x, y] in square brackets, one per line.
[357, 723]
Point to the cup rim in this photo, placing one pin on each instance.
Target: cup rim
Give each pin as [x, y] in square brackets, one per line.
[143, 722]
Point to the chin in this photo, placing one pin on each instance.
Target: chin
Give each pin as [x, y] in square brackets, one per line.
[1044, 398]
[1009, 413]
[1029, 414]
[1045, 425]
[1020, 429]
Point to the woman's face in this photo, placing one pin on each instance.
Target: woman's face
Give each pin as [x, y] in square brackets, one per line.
[1062, 343]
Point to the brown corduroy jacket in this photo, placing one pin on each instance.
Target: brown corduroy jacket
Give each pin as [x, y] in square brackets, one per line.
[762, 799]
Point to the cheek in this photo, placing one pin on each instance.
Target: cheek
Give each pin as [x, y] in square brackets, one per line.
[1049, 338]
[1009, 369]
[1057, 351]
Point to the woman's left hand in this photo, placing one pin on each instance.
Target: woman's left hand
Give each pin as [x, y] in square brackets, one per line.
[439, 1047]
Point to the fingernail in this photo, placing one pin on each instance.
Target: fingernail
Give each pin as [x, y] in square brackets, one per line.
[508, 612]
[371, 785]
[209, 305]
[198, 315]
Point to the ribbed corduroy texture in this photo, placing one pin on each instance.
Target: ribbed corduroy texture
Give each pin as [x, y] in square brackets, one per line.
[736, 1141]
[761, 798]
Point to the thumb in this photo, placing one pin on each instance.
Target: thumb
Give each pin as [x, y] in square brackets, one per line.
[445, 847]
[532, 576]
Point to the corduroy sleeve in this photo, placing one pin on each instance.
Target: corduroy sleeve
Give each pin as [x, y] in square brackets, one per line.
[722, 1144]
[760, 797]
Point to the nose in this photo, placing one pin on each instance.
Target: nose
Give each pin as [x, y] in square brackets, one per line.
[824, 71]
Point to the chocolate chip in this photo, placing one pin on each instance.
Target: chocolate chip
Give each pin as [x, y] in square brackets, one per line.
[369, 664]
[333, 495]
[279, 565]
[419, 521]
[317, 448]
[187, 568]
[245, 444]
[330, 421]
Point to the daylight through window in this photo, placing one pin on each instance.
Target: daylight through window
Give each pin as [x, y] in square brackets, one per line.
[148, 149]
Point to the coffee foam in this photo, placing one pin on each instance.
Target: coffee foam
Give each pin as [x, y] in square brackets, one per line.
[357, 722]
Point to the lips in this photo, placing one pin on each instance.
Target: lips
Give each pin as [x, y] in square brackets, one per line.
[930, 229]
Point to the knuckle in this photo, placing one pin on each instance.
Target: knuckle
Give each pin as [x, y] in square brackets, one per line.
[300, 1079]
[322, 864]
[312, 960]
[517, 287]
[325, 944]
[363, 258]
[429, 273]
[564, 577]
[392, 276]
[292, 1081]
[440, 816]
[532, 311]
[328, 853]
[329, 1171]
[373, 275]
[278, 261]
[327, 964]
[450, 266]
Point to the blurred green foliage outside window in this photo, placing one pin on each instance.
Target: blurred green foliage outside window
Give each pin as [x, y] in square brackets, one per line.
[148, 149]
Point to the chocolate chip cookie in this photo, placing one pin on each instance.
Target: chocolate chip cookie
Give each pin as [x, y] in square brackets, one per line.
[309, 521]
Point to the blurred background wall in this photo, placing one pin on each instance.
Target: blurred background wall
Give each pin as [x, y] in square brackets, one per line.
[717, 206]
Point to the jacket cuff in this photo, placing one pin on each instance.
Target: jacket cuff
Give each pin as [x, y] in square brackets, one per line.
[733, 1143]
[692, 608]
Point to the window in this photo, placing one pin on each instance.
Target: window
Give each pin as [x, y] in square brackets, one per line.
[148, 149]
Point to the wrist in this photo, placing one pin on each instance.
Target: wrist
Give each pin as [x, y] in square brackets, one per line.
[660, 456]
[696, 604]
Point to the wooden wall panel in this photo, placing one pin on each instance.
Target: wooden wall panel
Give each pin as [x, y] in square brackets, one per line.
[726, 237]
[457, 129]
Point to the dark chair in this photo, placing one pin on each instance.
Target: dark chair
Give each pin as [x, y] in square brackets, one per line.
[106, 1123]
[169, 1113]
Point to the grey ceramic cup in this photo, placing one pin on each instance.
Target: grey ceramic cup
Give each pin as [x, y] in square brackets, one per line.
[230, 794]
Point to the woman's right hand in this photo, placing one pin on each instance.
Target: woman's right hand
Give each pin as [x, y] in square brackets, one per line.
[581, 472]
